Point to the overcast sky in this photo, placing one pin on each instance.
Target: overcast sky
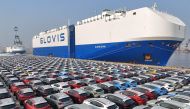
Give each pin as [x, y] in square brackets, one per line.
[34, 16]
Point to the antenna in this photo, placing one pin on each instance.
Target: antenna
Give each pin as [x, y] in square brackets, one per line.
[155, 6]
[68, 22]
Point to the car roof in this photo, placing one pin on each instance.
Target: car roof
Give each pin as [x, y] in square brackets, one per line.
[176, 103]
[94, 87]
[79, 106]
[62, 83]
[36, 81]
[6, 101]
[158, 107]
[137, 92]
[60, 95]
[107, 84]
[3, 90]
[79, 90]
[46, 86]
[38, 100]
[102, 100]
[123, 97]
[18, 83]
[26, 90]
[141, 107]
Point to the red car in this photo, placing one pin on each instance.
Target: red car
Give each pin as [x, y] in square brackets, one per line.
[100, 79]
[36, 103]
[110, 78]
[27, 79]
[75, 84]
[15, 87]
[24, 94]
[78, 95]
[149, 94]
[138, 97]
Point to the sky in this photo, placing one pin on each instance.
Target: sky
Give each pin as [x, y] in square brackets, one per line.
[34, 16]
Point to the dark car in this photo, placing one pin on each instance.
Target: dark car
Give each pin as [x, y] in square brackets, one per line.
[48, 81]
[122, 101]
[107, 87]
[45, 90]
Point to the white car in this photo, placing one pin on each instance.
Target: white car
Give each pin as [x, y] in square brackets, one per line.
[167, 86]
[61, 86]
[100, 103]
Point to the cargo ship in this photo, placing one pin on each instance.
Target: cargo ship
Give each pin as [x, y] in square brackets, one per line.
[144, 36]
[17, 47]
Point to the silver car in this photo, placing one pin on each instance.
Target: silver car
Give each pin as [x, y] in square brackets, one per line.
[100, 103]
[59, 100]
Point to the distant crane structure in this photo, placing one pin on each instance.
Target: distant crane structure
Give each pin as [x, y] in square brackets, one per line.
[17, 40]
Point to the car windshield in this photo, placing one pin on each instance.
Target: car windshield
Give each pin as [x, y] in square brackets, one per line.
[143, 96]
[141, 90]
[39, 83]
[41, 105]
[112, 107]
[50, 90]
[4, 95]
[22, 86]
[84, 94]
[180, 100]
[65, 86]
[149, 86]
[129, 101]
[8, 106]
[99, 90]
[28, 94]
[127, 93]
[53, 81]
[64, 99]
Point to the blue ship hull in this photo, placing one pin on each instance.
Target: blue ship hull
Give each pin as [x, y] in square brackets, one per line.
[153, 52]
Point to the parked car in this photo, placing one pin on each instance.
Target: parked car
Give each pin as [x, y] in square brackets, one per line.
[78, 95]
[78, 106]
[27, 79]
[88, 81]
[4, 93]
[61, 86]
[75, 84]
[100, 103]
[129, 82]
[45, 90]
[9, 103]
[36, 103]
[49, 81]
[93, 90]
[122, 101]
[150, 94]
[139, 98]
[120, 85]
[24, 94]
[15, 87]
[59, 100]
[100, 79]
[107, 87]
[35, 83]
[63, 78]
